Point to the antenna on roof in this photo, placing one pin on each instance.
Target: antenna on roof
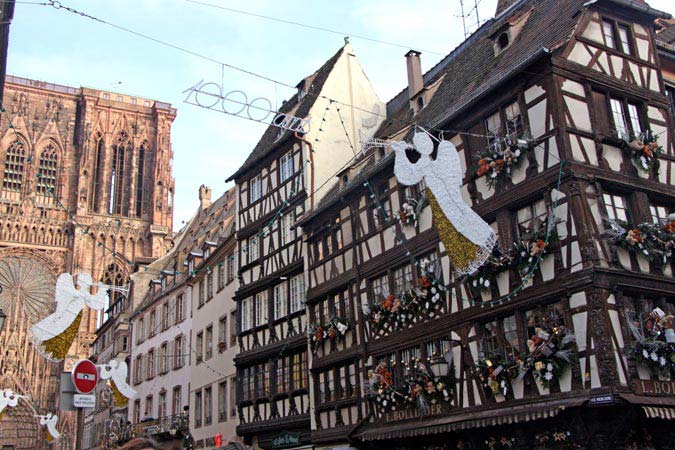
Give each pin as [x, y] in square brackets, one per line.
[468, 15]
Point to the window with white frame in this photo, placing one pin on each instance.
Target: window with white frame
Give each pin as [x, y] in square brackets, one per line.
[202, 296]
[659, 214]
[297, 291]
[246, 313]
[199, 351]
[280, 309]
[208, 337]
[151, 364]
[261, 315]
[178, 353]
[379, 287]
[616, 207]
[286, 166]
[231, 271]
[493, 127]
[514, 121]
[222, 332]
[162, 358]
[626, 118]
[221, 275]
[255, 186]
[608, 33]
[403, 280]
[152, 324]
[531, 218]
[286, 228]
[180, 308]
[253, 249]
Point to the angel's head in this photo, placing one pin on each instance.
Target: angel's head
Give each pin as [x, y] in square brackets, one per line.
[423, 144]
[84, 281]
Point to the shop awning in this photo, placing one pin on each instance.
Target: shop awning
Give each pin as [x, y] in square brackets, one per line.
[656, 412]
[485, 418]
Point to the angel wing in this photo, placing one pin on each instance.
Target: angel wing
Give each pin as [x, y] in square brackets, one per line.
[68, 306]
[51, 426]
[117, 371]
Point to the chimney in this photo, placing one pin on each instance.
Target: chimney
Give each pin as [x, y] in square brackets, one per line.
[204, 196]
[503, 5]
[414, 66]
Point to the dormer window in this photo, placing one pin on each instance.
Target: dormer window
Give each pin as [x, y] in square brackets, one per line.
[420, 103]
[503, 41]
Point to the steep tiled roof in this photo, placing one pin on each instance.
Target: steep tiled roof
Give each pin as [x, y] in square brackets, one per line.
[473, 70]
[208, 224]
[667, 35]
[294, 106]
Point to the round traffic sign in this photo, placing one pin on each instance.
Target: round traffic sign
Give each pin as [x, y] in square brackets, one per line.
[85, 376]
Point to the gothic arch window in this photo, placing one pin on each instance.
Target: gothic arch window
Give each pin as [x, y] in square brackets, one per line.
[97, 179]
[118, 190]
[113, 276]
[13, 173]
[46, 176]
[139, 178]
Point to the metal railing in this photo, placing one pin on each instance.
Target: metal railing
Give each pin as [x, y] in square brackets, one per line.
[173, 425]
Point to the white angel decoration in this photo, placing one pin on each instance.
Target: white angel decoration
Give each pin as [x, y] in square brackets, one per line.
[50, 420]
[467, 238]
[117, 372]
[11, 399]
[54, 334]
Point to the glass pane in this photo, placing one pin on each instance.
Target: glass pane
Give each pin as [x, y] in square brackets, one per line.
[625, 41]
[634, 119]
[608, 31]
[619, 118]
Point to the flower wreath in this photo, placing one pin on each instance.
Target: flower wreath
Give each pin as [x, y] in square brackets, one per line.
[655, 349]
[644, 150]
[496, 162]
[335, 329]
[654, 242]
[419, 387]
[401, 311]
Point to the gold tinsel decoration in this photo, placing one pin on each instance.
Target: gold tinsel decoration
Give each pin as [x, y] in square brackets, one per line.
[49, 437]
[59, 345]
[120, 400]
[461, 251]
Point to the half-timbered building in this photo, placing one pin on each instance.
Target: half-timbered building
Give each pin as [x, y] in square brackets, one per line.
[285, 175]
[564, 338]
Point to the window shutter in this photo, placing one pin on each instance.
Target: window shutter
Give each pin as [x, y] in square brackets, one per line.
[601, 113]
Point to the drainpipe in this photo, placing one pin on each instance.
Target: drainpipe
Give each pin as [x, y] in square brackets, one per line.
[311, 162]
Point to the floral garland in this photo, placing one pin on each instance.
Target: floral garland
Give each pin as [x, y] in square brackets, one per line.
[496, 162]
[654, 242]
[334, 329]
[656, 348]
[407, 215]
[401, 311]
[500, 443]
[419, 387]
[522, 256]
[559, 440]
[644, 149]
[551, 352]
[494, 373]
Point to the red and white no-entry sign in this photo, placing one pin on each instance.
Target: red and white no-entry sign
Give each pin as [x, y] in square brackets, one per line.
[85, 376]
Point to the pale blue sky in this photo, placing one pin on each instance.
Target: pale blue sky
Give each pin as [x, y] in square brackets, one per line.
[56, 46]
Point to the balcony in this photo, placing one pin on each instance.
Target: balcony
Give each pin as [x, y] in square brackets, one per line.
[169, 427]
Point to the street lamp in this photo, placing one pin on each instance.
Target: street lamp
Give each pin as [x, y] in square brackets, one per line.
[440, 366]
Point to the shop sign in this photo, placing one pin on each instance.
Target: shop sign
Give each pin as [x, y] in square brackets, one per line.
[285, 439]
[406, 414]
[601, 400]
[654, 387]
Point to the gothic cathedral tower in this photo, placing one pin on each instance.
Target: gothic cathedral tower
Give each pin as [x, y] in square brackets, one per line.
[86, 185]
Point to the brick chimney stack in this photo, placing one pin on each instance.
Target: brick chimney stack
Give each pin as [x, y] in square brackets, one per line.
[414, 66]
[204, 196]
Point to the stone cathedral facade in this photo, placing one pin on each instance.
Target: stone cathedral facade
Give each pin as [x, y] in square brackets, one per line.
[86, 185]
